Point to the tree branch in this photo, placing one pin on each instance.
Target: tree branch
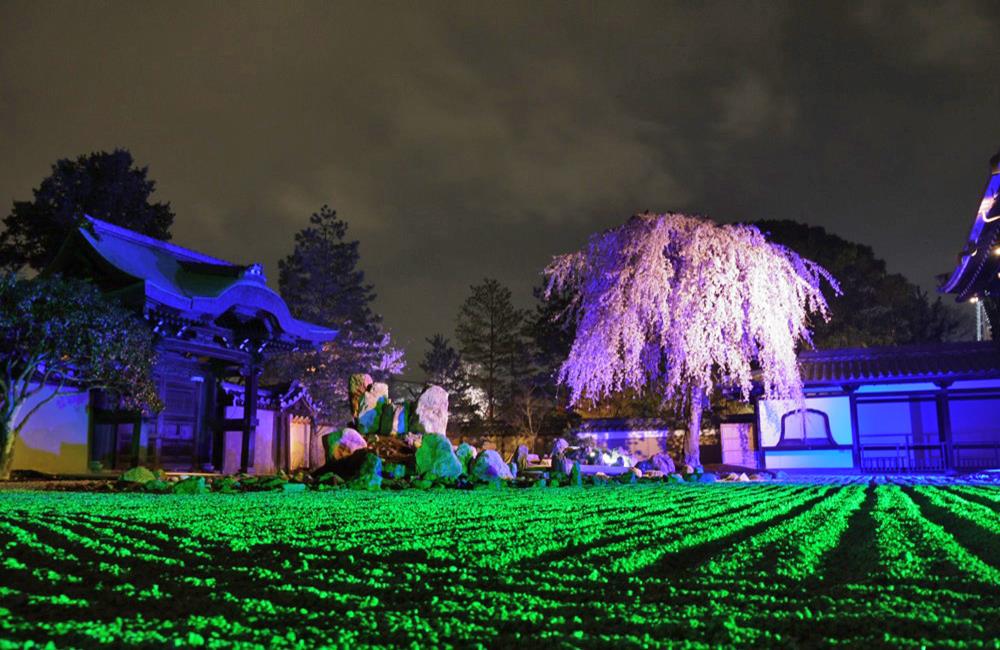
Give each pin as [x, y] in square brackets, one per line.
[41, 403]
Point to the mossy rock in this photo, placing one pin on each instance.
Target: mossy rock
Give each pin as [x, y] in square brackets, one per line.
[330, 479]
[294, 487]
[272, 483]
[226, 485]
[193, 485]
[139, 475]
[370, 476]
[393, 471]
[157, 485]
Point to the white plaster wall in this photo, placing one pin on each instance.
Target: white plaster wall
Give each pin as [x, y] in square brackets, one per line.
[263, 444]
[299, 443]
[837, 408]
[55, 438]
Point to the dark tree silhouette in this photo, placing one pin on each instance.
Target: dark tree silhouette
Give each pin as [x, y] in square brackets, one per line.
[877, 307]
[490, 334]
[321, 282]
[104, 185]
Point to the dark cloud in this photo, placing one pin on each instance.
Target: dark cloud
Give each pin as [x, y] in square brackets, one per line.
[463, 140]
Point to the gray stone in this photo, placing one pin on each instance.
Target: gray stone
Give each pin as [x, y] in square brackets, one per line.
[432, 411]
[436, 455]
[401, 416]
[374, 401]
[559, 447]
[357, 386]
[489, 466]
[343, 443]
[662, 463]
[466, 454]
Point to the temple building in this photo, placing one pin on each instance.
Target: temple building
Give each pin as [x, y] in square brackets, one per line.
[976, 278]
[215, 324]
[920, 408]
[904, 408]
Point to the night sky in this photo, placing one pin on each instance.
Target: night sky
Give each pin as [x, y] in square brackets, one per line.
[468, 140]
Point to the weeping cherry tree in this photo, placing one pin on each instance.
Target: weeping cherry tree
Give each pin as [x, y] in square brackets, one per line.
[686, 304]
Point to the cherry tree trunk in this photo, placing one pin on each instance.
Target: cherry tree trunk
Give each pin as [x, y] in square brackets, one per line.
[7, 435]
[692, 442]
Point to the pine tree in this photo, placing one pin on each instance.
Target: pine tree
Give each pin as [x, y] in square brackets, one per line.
[103, 185]
[321, 282]
[490, 333]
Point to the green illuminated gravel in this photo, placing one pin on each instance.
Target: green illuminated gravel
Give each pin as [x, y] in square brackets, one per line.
[685, 565]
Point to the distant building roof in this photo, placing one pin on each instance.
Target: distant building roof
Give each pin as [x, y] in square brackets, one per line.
[601, 425]
[190, 281]
[906, 363]
[978, 265]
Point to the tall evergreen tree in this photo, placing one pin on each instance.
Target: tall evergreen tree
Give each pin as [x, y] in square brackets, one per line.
[321, 282]
[106, 186]
[442, 363]
[490, 333]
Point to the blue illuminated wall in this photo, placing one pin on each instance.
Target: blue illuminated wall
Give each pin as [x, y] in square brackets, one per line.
[916, 426]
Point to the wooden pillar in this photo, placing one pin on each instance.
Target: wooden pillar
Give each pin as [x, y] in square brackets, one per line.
[284, 433]
[944, 425]
[249, 417]
[137, 440]
[850, 389]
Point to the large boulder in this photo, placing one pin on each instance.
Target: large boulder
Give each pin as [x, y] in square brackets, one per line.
[431, 414]
[399, 418]
[436, 455]
[343, 443]
[374, 401]
[466, 454]
[357, 386]
[489, 466]
[347, 468]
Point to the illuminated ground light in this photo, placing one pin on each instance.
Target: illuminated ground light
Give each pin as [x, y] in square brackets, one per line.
[740, 565]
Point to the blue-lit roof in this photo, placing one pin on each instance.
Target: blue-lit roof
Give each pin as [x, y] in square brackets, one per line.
[193, 282]
[977, 268]
[901, 363]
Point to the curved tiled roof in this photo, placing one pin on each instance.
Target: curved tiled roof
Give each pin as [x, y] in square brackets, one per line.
[977, 268]
[193, 282]
[904, 363]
